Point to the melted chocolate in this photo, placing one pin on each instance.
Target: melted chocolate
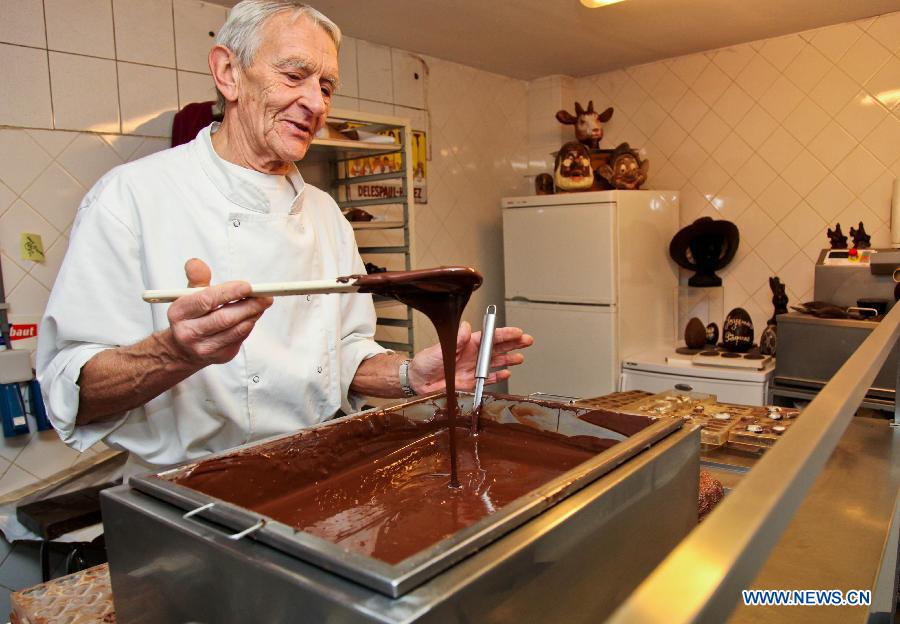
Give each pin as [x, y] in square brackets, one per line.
[440, 294]
[377, 484]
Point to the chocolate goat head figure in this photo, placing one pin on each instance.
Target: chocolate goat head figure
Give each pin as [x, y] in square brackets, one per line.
[588, 123]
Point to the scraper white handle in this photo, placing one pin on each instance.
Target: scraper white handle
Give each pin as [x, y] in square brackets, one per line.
[273, 289]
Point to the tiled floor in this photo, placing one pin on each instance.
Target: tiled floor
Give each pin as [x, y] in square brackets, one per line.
[20, 567]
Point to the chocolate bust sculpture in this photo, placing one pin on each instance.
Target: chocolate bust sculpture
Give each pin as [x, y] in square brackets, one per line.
[572, 169]
[625, 170]
[705, 246]
[543, 184]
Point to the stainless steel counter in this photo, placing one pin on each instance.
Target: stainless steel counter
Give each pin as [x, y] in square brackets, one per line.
[844, 535]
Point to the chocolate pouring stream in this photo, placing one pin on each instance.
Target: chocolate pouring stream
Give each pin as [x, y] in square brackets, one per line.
[440, 294]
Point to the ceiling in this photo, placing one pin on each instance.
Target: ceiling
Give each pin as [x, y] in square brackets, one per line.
[533, 38]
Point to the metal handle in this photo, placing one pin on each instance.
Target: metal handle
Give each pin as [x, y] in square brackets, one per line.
[546, 396]
[859, 309]
[483, 366]
[684, 387]
[234, 536]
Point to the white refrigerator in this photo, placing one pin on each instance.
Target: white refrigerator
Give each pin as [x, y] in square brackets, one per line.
[590, 277]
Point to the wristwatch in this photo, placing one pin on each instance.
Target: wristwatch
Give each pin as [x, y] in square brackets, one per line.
[404, 379]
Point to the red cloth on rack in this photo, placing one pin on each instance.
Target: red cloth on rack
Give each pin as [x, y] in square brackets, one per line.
[190, 120]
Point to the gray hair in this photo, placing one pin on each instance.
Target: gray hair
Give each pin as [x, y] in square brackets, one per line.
[241, 31]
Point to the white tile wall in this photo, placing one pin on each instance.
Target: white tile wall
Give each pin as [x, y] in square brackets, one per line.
[148, 97]
[25, 96]
[104, 67]
[349, 86]
[78, 108]
[144, 31]
[374, 70]
[193, 87]
[80, 27]
[783, 136]
[196, 24]
[22, 22]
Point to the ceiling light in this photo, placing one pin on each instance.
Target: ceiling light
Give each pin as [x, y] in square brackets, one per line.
[596, 4]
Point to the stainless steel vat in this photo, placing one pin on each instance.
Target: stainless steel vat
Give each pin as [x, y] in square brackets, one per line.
[574, 548]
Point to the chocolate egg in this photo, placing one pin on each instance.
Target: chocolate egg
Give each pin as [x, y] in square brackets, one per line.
[694, 333]
[768, 342]
[712, 334]
[737, 331]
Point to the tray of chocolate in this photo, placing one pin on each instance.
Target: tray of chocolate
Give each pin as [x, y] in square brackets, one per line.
[716, 420]
[389, 498]
[761, 428]
[614, 400]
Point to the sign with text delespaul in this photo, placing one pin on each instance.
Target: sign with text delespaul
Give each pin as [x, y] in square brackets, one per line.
[391, 163]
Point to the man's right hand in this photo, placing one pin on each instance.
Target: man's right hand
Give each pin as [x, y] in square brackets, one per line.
[209, 327]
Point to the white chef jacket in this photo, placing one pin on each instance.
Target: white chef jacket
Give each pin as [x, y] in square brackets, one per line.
[134, 231]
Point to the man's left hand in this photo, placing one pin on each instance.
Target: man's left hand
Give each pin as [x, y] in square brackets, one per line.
[426, 370]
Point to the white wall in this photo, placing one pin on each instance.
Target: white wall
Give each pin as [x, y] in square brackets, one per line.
[785, 137]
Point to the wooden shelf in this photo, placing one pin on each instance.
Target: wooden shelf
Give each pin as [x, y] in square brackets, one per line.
[377, 225]
[353, 146]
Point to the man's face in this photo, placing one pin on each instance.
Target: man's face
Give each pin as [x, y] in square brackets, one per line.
[285, 94]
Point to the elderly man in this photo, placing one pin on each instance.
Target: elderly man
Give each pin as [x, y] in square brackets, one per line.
[217, 369]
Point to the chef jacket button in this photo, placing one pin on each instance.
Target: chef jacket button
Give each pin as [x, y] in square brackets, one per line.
[255, 378]
[309, 297]
[318, 369]
[236, 223]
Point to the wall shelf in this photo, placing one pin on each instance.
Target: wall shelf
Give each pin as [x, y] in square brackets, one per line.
[377, 225]
[388, 239]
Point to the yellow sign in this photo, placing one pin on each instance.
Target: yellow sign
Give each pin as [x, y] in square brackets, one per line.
[31, 247]
[389, 163]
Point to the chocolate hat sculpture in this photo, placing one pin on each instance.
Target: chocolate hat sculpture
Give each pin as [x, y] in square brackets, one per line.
[711, 244]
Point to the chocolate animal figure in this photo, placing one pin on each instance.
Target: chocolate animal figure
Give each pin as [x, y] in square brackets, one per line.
[837, 238]
[625, 170]
[779, 299]
[861, 240]
[588, 124]
[572, 169]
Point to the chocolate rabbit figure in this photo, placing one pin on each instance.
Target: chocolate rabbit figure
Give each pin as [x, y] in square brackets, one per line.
[861, 240]
[837, 238]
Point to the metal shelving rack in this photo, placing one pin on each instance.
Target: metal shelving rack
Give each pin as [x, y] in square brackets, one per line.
[394, 225]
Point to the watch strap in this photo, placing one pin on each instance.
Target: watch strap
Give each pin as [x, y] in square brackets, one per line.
[404, 379]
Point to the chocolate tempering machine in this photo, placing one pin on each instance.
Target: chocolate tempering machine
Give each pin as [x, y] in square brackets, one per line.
[570, 550]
